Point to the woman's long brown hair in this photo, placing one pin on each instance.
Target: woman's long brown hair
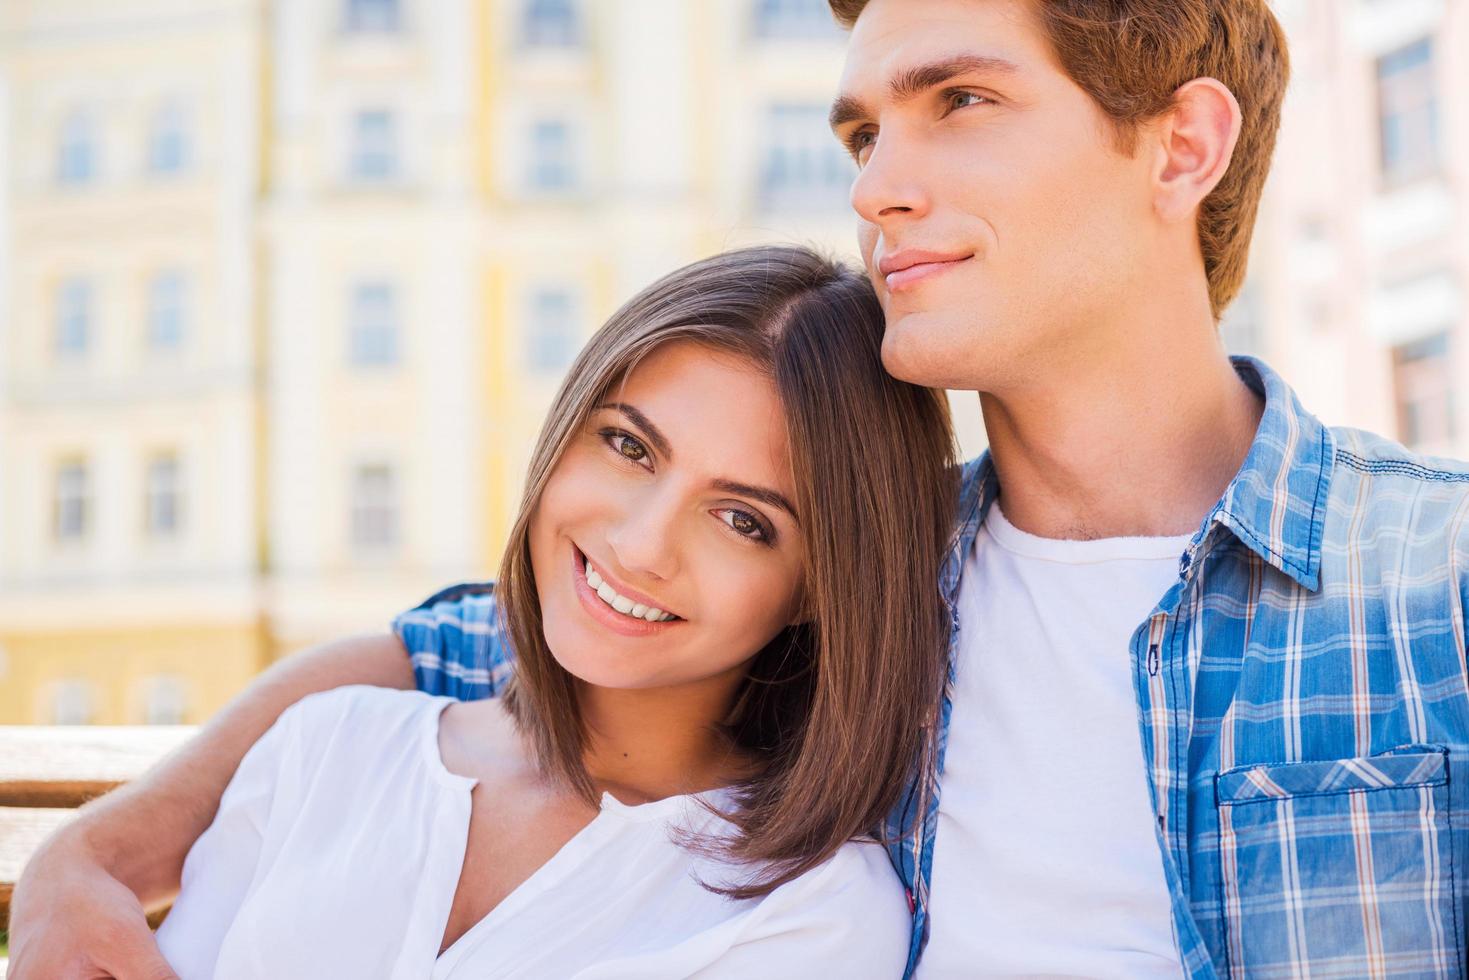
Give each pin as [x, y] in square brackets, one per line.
[836, 710]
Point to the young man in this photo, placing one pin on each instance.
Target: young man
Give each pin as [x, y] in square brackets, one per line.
[1208, 663]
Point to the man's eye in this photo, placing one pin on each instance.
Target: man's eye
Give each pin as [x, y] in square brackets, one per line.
[860, 142]
[961, 100]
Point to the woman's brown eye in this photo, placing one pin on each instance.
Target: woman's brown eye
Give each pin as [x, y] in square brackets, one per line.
[632, 449]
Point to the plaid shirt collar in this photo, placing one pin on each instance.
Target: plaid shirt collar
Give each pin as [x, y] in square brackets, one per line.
[1275, 505]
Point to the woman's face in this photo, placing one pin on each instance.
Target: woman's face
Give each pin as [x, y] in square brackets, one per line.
[675, 497]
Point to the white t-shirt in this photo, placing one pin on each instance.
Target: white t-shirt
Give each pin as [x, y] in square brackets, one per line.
[1046, 861]
[338, 845]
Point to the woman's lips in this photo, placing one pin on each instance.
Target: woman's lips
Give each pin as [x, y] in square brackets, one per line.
[603, 613]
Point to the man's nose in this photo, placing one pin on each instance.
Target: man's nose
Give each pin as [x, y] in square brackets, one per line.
[891, 184]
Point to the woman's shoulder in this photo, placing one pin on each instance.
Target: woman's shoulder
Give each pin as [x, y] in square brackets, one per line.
[358, 701]
[848, 916]
[858, 875]
[359, 719]
[854, 906]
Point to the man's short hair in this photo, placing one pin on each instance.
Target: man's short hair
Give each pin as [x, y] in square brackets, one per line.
[1131, 56]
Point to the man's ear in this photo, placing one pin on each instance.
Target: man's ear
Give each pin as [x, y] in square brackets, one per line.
[1194, 143]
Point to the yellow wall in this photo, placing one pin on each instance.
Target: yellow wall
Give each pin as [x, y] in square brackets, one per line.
[213, 661]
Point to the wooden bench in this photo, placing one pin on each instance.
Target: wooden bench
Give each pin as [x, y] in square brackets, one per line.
[47, 772]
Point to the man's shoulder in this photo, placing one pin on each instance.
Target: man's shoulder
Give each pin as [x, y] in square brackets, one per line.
[1370, 454]
[1383, 491]
[469, 608]
[457, 641]
[1377, 467]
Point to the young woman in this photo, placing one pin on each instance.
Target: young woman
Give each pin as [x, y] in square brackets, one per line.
[720, 591]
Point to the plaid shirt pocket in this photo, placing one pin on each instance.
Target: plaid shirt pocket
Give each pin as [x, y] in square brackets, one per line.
[1340, 869]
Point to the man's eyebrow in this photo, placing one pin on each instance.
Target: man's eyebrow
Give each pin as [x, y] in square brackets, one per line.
[761, 494]
[918, 79]
[637, 418]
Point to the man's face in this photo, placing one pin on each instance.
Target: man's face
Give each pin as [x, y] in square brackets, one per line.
[998, 221]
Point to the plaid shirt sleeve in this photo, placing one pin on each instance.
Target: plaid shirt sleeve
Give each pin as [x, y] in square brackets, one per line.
[457, 643]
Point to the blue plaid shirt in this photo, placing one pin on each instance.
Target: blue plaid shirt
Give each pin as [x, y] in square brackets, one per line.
[1302, 705]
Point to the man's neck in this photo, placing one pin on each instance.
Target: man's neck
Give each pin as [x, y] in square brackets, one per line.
[1140, 441]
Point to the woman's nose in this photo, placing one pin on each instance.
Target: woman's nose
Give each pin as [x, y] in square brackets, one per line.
[644, 540]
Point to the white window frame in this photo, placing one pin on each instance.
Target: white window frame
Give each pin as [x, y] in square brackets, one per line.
[75, 311]
[552, 168]
[374, 323]
[78, 151]
[372, 16]
[543, 336]
[375, 146]
[165, 700]
[163, 496]
[169, 144]
[801, 167]
[73, 702]
[552, 24]
[1408, 101]
[71, 501]
[375, 507]
[801, 20]
[168, 305]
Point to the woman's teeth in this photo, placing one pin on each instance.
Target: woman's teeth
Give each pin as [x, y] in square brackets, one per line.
[623, 604]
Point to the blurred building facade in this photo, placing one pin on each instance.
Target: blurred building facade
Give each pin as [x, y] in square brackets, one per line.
[1359, 267]
[129, 389]
[286, 286]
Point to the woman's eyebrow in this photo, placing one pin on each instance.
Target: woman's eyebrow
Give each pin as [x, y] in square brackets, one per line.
[767, 496]
[637, 418]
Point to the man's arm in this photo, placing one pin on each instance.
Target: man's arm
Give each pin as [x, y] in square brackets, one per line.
[78, 907]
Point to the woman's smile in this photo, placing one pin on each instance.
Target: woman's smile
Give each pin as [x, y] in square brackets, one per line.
[605, 603]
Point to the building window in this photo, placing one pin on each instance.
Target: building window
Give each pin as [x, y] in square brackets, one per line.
[552, 339]
[372, 325]
[373, 16]
[164, 701]
[374, 507]
[552, 156]
[73, 702]
[800, 19]
[374, 152]
[162, 505]
[1423, 384]
[72, 501]
[551, 24]
[803, 168]
[168, 141]
[1407, 108]
[73, 317]
[76, 161]
[166, 311]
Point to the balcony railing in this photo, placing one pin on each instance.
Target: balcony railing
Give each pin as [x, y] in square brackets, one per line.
[47, 772]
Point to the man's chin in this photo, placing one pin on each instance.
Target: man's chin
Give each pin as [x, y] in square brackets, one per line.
[915, 350]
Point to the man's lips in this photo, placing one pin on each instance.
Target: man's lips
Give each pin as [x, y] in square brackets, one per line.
[906, 268]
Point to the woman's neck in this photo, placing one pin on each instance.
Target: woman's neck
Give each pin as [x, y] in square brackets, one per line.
[653, 743]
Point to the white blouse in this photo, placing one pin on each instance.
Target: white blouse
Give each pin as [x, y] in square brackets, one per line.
[337, 849]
